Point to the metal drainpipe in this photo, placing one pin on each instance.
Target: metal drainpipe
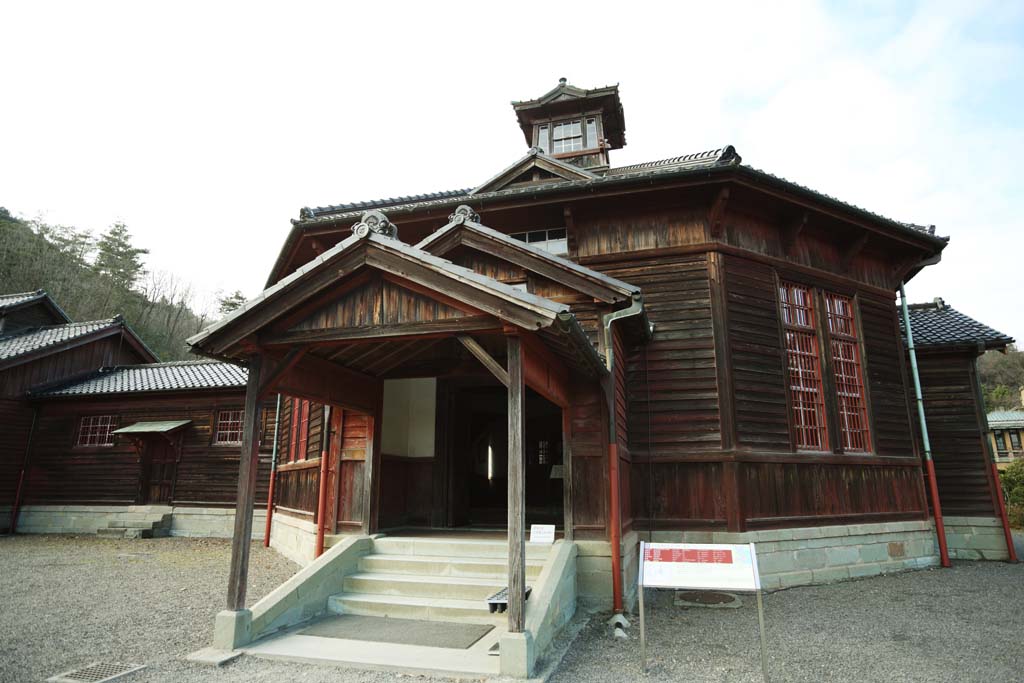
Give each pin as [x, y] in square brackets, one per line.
[615, 516]
[16, 508]
[273, 473]
[321, 514]
[933, 487]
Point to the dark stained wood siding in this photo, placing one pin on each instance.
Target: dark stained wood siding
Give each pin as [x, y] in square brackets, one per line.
[886, 377]
[15, 424]
[756, 355]
[378, 302]
[956, 432]
[589, 439]
[206, 474]
[62, 365]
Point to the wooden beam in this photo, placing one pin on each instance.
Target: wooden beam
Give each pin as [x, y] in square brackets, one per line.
[282, 368]
[791, 232]
[851, 251]
[420, 330]
[516, 490]
[248, 466]
[371, 468]
[473, 346]
[544, 372]
[716, 215]
[326, 382]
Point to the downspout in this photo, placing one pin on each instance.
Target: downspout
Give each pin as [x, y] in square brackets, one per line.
[21, 476]
[273, 473]
[933, 486]
[321, 510]
[608, 382]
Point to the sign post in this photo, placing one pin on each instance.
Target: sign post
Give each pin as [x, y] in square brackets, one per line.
[700, 566]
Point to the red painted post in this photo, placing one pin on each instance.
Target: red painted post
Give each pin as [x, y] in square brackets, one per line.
[1002, 513]
[321, 509]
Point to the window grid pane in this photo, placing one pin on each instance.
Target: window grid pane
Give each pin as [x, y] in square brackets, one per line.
[567, 137]
[846, 367]
[229, 427]
[805, 385]
[97, 430]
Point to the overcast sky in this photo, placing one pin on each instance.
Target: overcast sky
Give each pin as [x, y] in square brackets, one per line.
[206, 126]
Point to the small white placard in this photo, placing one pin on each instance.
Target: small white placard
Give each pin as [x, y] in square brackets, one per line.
[542, 533]
[557, 472]
[709, 566]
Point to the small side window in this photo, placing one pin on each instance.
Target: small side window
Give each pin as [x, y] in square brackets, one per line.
[229, 427]
[96, 430]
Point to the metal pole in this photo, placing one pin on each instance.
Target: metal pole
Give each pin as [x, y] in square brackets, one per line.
[643, 625]
[933, 487]
[273, 474]
[764, 646]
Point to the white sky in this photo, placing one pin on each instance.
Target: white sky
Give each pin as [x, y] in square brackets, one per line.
[206, 126]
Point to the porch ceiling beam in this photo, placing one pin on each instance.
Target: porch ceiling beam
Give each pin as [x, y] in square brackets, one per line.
[473, 346]
[280, 370]
[420, 330]
[418, 347]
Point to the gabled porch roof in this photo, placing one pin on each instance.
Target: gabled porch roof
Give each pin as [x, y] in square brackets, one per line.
[371, 301]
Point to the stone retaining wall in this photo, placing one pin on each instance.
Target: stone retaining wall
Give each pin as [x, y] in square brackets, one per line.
[88, 519]
[293, 537]
[976, 538]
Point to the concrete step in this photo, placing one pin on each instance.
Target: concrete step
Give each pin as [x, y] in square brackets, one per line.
[110, 533]
[408, 585]
[424, 565]
[408, 607]
[447, 547]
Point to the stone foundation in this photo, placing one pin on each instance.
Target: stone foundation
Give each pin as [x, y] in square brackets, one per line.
[293, 537]
[89, 519]
[976, 538]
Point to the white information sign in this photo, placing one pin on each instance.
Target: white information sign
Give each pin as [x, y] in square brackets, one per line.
[542, 533]
[699, 566]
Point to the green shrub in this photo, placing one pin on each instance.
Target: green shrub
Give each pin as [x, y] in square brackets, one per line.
[1012, 479]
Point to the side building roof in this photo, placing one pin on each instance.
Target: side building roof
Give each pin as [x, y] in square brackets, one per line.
[12, 302]
[24, 345]
[937, 324]
[1004, 419]
[130, 379]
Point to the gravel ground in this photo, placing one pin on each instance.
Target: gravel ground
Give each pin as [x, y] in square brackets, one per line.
[75, 600]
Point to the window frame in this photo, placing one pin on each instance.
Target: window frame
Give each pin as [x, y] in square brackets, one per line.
[823, 430]
[835, 436]
[111, 425]
[526, 236]
[217, 429]
[1015, 441]
[544, 134]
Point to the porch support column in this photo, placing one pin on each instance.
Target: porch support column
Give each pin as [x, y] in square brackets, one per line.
[516, 490]
[248, 466]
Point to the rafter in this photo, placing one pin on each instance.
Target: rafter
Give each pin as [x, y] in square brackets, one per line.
[473, 346]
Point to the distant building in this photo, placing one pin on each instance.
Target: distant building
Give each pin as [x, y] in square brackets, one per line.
[1006, 431]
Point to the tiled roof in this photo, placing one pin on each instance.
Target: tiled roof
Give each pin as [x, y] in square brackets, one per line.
[10, 300]
[937, 324]
[1005, 418]
[28, 341]
[190, 374]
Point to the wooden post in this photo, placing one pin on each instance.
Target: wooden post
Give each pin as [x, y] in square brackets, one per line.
[248, 466]
[516, 490]
[567, 530]
[371, 471]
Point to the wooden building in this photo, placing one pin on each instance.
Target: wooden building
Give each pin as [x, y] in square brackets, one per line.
[40, 346]
[1006, 433]
[688, 348]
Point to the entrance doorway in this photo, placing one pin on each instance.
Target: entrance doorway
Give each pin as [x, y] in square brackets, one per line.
[478, 456]
[157, 475]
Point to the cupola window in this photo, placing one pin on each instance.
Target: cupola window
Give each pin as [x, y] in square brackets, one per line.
[568, 136]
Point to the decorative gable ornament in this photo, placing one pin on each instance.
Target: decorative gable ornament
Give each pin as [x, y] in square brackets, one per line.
[375, 221]
[464, 213]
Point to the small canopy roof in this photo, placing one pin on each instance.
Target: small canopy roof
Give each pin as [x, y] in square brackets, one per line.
[160, 427]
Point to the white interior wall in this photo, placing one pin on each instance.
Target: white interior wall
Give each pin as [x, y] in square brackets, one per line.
[410, 410]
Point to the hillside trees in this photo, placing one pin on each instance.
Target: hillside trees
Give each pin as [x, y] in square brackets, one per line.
[92, 279]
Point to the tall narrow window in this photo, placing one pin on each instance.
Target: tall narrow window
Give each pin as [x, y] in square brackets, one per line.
[846, 369]
[591, 133]
[96, 430]
[229, 427]
[542, 138]
[805, 387]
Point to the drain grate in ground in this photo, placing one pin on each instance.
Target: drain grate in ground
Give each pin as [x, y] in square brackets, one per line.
[98, 672]
[706, 599]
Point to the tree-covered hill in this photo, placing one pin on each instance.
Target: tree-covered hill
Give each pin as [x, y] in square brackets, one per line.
[92, 279]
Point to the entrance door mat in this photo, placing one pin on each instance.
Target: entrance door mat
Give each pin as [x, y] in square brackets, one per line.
[399, 631]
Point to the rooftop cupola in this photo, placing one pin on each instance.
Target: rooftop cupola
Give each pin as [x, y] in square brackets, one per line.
[573, 124]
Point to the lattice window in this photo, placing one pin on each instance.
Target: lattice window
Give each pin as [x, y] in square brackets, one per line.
[97, 430]
[848, 374]
[807, 405]
[229, 427]
[567, 137]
